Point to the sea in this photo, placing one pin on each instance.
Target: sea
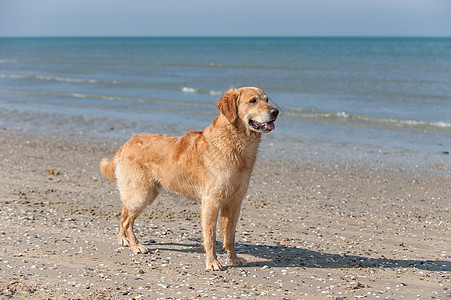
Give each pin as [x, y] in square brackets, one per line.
[382, 95]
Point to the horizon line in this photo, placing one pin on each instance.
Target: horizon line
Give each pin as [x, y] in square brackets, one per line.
[232, 36]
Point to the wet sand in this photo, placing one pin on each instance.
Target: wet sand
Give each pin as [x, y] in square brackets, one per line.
[310, 228]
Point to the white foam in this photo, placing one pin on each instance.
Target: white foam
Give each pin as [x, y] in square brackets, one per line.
[63, 79]
[8, 61]
[303, 113]
[78, 95]
[343, 115]
[442, 124]
[189, 90]
[13, 76]
[215, 93]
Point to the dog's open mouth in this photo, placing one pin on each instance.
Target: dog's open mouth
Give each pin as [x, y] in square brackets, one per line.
[262, 127]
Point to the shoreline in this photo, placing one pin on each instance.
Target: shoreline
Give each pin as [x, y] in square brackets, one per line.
[310, 229]
[116, 128]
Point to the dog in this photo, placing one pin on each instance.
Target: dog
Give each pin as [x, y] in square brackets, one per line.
[213, 166]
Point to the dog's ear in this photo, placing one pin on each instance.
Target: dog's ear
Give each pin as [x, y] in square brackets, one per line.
[228, 106]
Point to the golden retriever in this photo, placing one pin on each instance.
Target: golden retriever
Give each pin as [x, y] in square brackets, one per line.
[213, 165]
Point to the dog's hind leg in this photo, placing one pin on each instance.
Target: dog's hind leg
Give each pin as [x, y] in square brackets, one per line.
[122, 238]
[134, 203]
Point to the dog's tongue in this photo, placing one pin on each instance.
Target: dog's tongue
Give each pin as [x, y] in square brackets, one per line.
[270, 125]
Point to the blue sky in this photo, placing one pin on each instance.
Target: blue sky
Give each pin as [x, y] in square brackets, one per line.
[225, 18]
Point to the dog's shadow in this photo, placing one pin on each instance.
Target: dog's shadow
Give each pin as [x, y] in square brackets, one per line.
[286, 256]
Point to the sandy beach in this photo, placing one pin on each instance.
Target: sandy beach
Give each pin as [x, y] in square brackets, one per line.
[313, 228]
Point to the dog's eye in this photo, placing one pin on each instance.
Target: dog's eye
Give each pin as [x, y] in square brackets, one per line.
[253, 100]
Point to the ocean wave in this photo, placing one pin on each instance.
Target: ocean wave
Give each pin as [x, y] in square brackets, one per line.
[288, 113]
[8, 61]
[358, 119]
[55, 78]
[189, 90]
[83, 80]
[242, 66]
[110, 98]
[186, 89]
[110, 82]
[215, 93]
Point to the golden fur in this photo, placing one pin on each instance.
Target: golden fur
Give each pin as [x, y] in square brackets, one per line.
[213, 165]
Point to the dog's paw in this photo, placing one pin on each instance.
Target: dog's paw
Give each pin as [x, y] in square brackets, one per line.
[138, 248]
[123, 242]
[237, 261]
[213, 265]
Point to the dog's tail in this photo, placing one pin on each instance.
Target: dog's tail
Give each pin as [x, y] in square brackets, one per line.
[107, 169]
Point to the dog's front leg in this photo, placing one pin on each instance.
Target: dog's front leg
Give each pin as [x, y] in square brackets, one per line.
[209, 217]
[229, 219]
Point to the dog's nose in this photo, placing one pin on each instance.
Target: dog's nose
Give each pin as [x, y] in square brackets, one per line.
[273, 112]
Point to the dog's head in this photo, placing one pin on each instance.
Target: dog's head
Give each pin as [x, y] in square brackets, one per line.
[249, 107]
